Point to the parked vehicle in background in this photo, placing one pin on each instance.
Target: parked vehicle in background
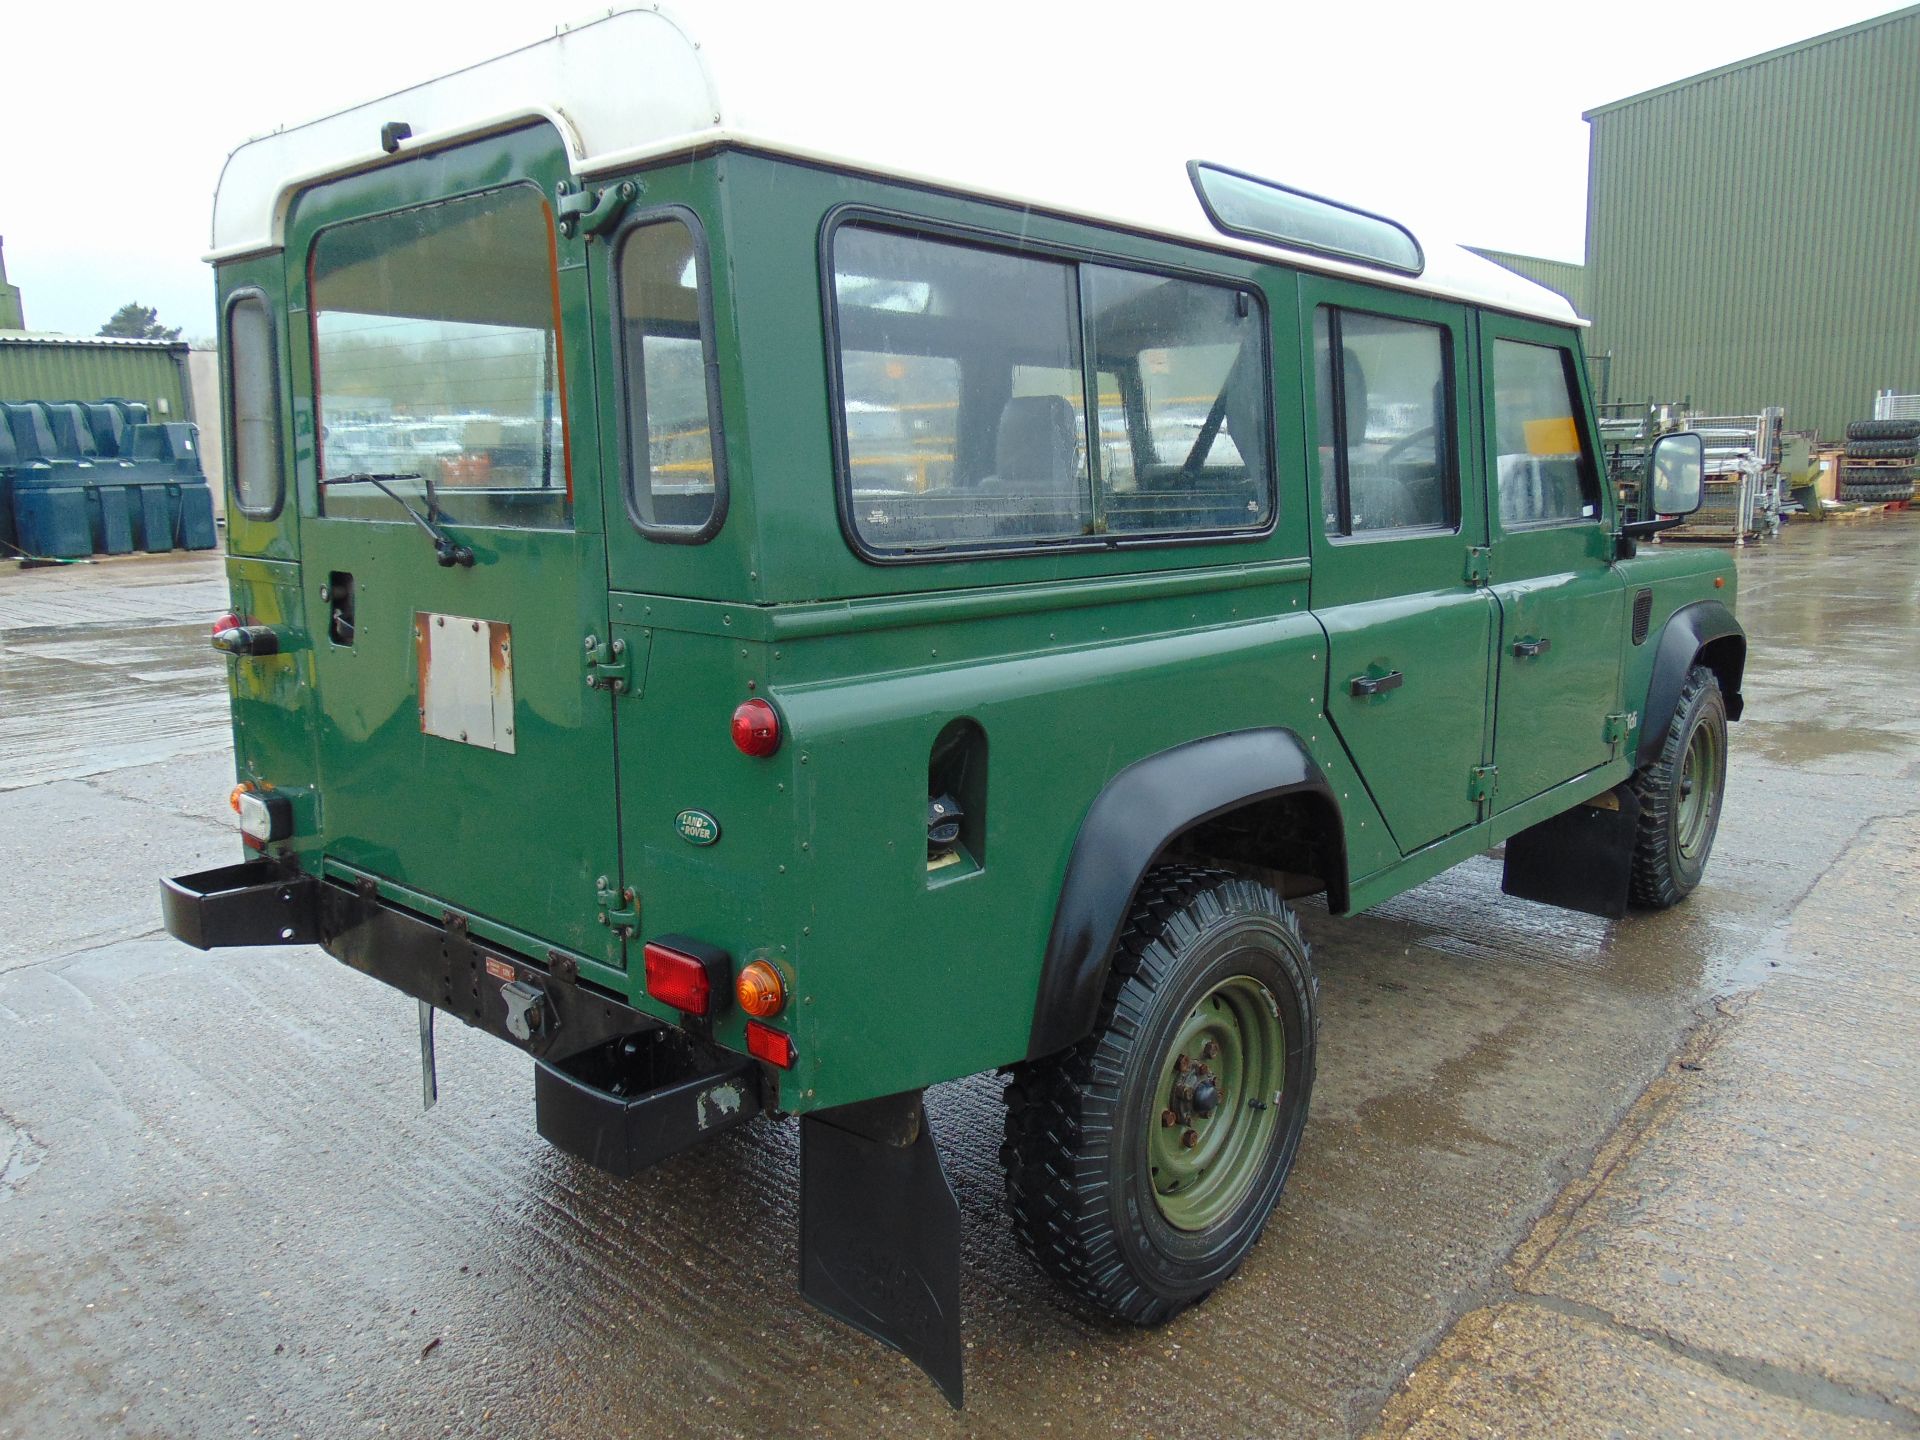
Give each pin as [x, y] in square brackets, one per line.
[820, 715]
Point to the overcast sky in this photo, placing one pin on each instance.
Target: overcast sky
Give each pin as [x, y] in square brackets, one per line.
[117, 117]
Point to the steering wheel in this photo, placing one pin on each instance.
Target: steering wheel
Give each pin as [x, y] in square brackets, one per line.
[1407, 441]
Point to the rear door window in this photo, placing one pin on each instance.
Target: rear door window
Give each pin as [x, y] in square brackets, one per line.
[676, 466]
[1386, 415]
[253, 393]
[438, 365]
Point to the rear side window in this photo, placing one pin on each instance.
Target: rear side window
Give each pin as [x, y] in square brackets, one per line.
[676, 471]
[1386, 423]
[966, 378]
[253, 393]
[1543, 471]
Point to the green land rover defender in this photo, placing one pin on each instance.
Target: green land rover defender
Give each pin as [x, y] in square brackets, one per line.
[766, 630]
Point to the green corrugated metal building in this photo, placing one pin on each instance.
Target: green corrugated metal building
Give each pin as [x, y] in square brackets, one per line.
[1753, 233]
[90, 367]
[1567, 277]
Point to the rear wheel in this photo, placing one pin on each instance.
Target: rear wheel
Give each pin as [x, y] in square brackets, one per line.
[1142, 1164]
[1680, 795]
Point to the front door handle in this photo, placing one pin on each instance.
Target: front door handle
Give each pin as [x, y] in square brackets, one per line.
[1531, 649]
[1376, 684]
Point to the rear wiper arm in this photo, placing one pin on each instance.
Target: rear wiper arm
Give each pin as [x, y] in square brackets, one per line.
[444, 548]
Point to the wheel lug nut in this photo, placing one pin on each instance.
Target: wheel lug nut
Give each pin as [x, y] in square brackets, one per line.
[1189, 1140]
[1210, 1049]
[1182, 1064]
[1167, 1119]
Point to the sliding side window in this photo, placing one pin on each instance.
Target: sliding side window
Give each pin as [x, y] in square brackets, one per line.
[1386, 423]
[676, 468]
[253, 397]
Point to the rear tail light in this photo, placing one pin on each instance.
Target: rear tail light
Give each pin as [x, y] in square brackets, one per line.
[226, 622]
[691, 977]
[771, 1045]
[756, 728]
[264, 816]
[760, 990]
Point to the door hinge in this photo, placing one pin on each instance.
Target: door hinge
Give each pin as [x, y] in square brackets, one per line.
[619, 908]
[1619, 727]
[593, 211]
[609, 666]
[1481, 783]
[1479, 565]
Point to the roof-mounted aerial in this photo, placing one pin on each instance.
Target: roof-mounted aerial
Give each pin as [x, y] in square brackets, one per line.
[1256, 209]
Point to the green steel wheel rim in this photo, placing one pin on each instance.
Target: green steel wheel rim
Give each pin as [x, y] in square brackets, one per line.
[1699, 791]
[1217, 1104]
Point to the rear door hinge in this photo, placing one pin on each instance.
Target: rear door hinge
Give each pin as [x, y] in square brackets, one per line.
[1479, 565]
[1481, 783]
[619, 908]
[1618, 728]
[609, 665]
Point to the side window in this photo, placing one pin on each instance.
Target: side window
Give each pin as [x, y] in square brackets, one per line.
[964, 395]
[253, 393]
[1195, 365]
[1386, 423]
[1543, 471]
[961, 398]
[676, 470]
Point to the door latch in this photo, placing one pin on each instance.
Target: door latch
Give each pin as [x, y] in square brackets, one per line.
[1531, 649]
[609, 665]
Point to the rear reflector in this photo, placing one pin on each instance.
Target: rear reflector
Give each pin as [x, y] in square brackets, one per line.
[771, 1045]
[694, 979]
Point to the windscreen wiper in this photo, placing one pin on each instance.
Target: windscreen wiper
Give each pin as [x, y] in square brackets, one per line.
[444, 548]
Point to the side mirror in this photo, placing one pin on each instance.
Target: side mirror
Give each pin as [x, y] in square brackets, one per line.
[1677, 465]
[1676, 470]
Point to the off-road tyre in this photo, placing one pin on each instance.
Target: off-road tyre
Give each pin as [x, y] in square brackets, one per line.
[1882, 449]
[1676, 837]
[1083, 1126]
[1884, 430]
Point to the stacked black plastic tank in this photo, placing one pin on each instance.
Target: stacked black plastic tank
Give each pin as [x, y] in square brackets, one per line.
[99, 478]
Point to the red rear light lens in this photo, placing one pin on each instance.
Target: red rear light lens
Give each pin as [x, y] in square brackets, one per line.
[679, 980]
[756, 728]
[226, 622]
[771, 1045]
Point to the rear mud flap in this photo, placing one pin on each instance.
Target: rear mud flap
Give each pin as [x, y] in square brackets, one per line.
[1580, 859]
[880, 1231]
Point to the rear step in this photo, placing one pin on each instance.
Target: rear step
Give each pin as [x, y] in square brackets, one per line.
[634, 1102]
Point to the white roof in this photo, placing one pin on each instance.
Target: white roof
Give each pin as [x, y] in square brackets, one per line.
[636, 84]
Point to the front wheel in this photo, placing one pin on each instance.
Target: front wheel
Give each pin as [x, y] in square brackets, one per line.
[1142, 1164]
[1680, 793]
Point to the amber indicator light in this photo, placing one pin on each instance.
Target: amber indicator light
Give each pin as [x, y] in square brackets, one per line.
[760, 991]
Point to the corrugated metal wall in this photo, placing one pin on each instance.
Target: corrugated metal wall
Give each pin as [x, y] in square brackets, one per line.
[1562, 276]
[43, 369]
[1753, 235]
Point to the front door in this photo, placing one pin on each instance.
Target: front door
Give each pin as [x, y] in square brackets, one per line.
[1401, 519]
[1562, 603]
[446, 408]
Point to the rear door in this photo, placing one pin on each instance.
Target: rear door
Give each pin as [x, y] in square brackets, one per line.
[1562, 602]
[463, 757]
[1401, 519]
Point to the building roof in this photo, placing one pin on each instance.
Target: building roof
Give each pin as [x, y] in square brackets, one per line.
[1823, 39]
[112, 342]
[723, 89]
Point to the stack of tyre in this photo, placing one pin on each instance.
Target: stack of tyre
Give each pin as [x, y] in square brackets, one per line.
[1881, 459]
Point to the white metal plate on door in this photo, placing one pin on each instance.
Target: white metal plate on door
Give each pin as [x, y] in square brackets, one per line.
[466, 679]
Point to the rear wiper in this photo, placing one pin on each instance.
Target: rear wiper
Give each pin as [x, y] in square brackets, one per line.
[444, 548]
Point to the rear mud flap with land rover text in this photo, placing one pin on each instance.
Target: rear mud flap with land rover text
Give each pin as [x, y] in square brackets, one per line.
[880, 1231]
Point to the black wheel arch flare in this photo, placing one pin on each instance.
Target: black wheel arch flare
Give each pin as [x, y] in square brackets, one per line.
[1702, 633]
[1132, 822]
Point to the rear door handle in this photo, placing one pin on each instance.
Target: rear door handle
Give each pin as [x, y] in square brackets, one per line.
[1376, 684]
[1531, 649]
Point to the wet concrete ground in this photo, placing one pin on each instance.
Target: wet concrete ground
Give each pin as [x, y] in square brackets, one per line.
[1644, 1177]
